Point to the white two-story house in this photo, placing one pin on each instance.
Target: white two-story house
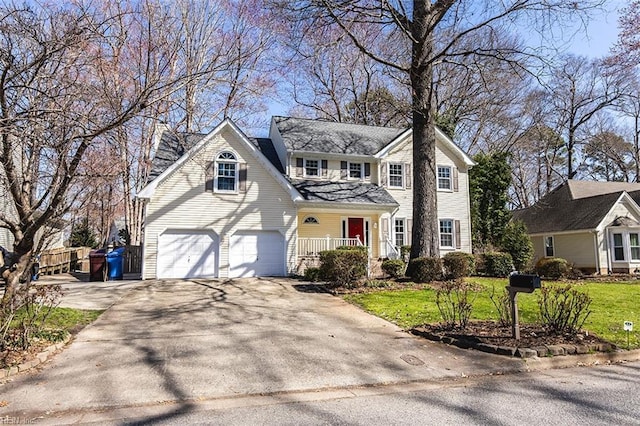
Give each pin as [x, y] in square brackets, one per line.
[225, 205]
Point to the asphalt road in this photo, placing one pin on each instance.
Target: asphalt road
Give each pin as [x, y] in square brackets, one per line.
[597, 395]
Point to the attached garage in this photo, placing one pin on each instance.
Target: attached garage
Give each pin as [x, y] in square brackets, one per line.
[188, 254]
[257, 254]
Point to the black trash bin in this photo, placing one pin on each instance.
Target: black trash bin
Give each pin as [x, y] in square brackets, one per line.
[115, 264]
[97, 265]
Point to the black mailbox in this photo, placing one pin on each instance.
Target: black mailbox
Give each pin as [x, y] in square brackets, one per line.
[524, 281]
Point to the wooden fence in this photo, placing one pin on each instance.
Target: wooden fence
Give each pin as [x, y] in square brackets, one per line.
[61, 260]
[58, 261]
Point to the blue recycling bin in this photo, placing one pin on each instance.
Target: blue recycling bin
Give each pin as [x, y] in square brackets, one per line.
[115, 264]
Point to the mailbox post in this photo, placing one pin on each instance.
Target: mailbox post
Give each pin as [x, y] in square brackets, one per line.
[519, 283]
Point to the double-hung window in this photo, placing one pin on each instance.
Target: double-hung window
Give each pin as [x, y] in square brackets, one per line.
[618, 247]
[226, 172]
[549, 251]
[399, 232]
[634, 245]
[355, 170]
[311, 167]
[446, 233]
[396, 175]
[444, 178]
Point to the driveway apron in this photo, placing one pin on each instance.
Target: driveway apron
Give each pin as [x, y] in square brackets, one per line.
[185, 341]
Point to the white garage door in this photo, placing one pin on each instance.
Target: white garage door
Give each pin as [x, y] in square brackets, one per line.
[187, 254]
[256, 254]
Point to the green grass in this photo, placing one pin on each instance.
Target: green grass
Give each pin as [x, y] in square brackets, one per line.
[66, 320]
[613, 303]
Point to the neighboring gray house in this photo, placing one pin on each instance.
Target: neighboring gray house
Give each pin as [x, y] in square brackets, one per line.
[225, 205]
[594, 225]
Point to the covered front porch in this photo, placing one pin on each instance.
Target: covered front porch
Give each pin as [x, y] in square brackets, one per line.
[322, 230]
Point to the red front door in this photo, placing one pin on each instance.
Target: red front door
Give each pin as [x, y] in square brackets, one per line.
[356, 228]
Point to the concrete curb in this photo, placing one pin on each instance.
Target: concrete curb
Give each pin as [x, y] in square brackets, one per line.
[40, 358]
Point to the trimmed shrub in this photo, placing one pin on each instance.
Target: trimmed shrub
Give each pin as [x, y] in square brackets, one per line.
[479, 263]
[424, 269]
[517, 243]
[497, 264]
[553, 267]
[458, 264]
[312, 274]
[343, 268]
[354, 248]
[405, 251]
[393, 267]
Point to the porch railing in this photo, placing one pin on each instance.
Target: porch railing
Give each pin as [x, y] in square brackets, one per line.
[313, 246]
[389, 249]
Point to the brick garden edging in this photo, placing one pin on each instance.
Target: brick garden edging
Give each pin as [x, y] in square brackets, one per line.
[539, 351]
[40, 358]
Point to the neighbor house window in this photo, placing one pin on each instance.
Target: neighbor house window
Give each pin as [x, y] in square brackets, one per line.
[399, 232]
[446, 233]
[548, 247]
[311, 167]
[634, 245]
[444, 177]
[395, 176]
[311, 220]
[226, 172]
[618, 247]
[355, 170]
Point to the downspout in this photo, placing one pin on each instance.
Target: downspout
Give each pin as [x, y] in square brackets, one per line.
[595, 240]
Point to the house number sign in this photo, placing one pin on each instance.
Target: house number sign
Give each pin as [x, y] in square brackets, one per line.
[628, 326]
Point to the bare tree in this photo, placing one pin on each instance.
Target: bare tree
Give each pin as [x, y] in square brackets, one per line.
[59, 70]
[412, 26]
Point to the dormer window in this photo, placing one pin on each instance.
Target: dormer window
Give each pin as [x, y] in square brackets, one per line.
[226, 172]
[311, 167]
[355, 170]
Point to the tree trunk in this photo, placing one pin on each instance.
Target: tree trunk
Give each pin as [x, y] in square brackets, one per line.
[425, 239]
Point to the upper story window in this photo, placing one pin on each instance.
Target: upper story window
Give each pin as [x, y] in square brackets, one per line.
[444, 178]
[355, 170]
[226, 172]
[311, 220]
[311, 167]
[396, 175]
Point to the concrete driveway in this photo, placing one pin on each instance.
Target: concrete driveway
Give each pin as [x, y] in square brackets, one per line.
[181, 342]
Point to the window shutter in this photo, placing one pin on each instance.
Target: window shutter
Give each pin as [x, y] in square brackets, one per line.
[367, 171]
[407, 175]
[325, 168]
[209, 177]
[242, 177]
[385, 228]
[343, 170]
[458, 236]
[408, 231]
[455, 179]
[299, 167]
[383, 174]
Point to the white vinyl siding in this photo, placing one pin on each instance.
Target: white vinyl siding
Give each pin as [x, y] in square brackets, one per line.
[180, 201]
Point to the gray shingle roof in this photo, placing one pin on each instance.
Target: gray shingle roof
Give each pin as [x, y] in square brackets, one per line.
[266, 147]
[172, 146]
[573, 206]
[343, 192]
[301, 134]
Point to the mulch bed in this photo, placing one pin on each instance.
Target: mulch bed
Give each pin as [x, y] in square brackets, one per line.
[490, 335]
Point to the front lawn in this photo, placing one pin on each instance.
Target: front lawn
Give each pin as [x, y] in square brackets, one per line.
[613, 303]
